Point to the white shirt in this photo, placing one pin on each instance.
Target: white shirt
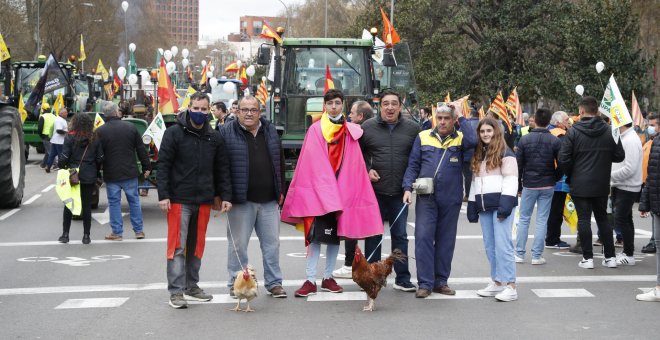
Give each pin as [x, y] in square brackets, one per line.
[60, 124]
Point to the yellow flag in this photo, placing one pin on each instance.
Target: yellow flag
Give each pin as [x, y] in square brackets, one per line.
[83, 56]
[186, 101]
[21, 108]
[101, 69]
[4, 51]
[98, 121]
[59, 103]
[570, 215]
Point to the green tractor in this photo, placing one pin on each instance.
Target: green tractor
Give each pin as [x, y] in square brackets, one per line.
[358, 67]
[12, 162]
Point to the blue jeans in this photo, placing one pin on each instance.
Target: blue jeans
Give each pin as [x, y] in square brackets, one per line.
[313, 260]
[183, 269]
[264, 219]
[499, 247]
[390, 206]
[543, 200]
[113, 189]
[55, 151]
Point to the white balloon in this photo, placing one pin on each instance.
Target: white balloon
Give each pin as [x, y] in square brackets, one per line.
[212, 68]
[170, 67]
[124, 5]
[146, 78]
[167, 55]
[579, 89]
[132, 47]
[239, 63]
[263, 78]
[132, 79]
[209, 74]
[600, 66]
[160, 51]
[213, 82]
[184, 53]
[223, 77]
[250, 71]
[121, 72]
[185, 63]
[174, 50]
[229, 87]
[203, 63]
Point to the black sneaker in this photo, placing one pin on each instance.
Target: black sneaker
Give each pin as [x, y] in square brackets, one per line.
[177, 301]
[197, 294]
[405, 286]
[649, 248]
[576, 249]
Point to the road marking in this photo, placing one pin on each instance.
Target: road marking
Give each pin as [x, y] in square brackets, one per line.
[32, 199]
[345, 296]
[643, 232]
[92, 303]
[217, 298]
[75, 261]
[298, 283]
[559, 293]
[104, 217]
[460, 294]
[48, 188]
[9, 213]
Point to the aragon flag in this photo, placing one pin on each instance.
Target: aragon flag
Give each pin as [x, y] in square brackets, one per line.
[498, 108]
[167, 102]
[52, 78]
[262, 93]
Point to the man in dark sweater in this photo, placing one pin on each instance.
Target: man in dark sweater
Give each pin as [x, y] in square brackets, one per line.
[121, 141]
[257, 192]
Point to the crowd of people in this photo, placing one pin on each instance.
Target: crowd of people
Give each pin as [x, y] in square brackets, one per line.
[357, 170]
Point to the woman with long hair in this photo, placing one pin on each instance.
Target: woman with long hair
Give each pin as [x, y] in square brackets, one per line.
[83, 151]
[492, 200]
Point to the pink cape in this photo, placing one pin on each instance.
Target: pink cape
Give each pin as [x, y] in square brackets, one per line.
[315, 191]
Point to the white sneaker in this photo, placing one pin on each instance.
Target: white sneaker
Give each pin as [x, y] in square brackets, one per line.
[519, 259]
[492, 290]
[540, 260]
[625, 260]
[508, 294]
[345, 272]
[652, 295]
[586, 264]
[609, 262]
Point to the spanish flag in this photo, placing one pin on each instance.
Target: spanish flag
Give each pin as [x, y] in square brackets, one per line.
[204, 71]
[231, 68]
[390, 37]
[267, 32]
[329, 83]
[167, 102]
[244, 77]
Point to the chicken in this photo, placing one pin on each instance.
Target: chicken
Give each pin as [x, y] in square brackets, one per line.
[245, 287]
[373, 276]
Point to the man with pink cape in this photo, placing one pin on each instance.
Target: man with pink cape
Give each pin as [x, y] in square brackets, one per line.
[330, 192]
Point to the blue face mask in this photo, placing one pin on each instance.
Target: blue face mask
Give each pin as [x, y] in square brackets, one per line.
[651, 130]
[197, 117]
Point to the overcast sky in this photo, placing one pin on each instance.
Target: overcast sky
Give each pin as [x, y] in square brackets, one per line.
[218, 18]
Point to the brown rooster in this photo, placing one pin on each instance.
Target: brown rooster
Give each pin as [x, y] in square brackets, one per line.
[245, 287]
[373, 276]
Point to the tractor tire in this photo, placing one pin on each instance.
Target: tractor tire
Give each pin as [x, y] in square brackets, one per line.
[41, 149]
[12, 162]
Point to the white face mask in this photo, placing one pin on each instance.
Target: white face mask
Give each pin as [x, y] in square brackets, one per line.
[651, 130]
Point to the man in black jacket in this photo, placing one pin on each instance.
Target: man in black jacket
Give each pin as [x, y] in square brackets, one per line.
[254, 155]
[536, 156]
[586, 156]
[193, 178]
[386, 144]
[121, 141]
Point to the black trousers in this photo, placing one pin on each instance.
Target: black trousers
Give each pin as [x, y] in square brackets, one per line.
[86, 201]
[584, 207]
[555, 218]
[467, 177]
[349, 250]
[622, 204]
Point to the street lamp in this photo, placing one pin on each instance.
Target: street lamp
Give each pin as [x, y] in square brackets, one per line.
[287, 14]
[124, 6]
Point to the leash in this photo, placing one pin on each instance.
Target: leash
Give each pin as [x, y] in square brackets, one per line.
[391, 224]
[231, 236]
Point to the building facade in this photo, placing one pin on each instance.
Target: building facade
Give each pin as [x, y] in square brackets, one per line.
[182, 18]
[250, 26]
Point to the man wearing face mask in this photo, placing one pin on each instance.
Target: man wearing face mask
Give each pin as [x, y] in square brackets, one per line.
[652, 131]
[193, 178]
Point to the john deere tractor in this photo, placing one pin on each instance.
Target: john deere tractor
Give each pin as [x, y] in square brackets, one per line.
[12, 147]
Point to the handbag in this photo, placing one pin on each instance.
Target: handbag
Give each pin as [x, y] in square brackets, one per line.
[74, 174]
[425, 185]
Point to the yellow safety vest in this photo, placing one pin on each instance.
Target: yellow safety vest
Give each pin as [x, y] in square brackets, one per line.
[49, 124]
[524, 131]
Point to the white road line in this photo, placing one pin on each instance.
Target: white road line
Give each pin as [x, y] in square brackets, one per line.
[48, 188]
[345, 296]
[460, 294]
[558, 293]
[32, 199]
[217, 298]
[92, 303]
[643, 232]
[298, 283]
[9, 213]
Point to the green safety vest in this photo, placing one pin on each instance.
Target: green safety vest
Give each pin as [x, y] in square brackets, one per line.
[49, 124]
[524, 131]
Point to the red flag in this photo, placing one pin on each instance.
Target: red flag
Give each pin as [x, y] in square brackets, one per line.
[638, 119]
[167, 102]
[262, 93]
[267, 32]
[513, 105]
[390, 37]
[499, 108]
[329, 83]
[116, 84]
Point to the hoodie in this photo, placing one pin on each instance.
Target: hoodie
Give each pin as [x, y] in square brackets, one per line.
[586, 156]
[627, 175]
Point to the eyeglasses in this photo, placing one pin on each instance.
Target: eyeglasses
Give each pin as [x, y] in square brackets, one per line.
[253, 111]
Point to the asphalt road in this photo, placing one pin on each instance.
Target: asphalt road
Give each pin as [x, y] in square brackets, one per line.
[113, 290]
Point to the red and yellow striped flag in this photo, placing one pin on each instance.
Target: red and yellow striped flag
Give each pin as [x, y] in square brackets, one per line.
[262, 93]
[499, 108]
[167, 102]
[329, 83]
[513, 105]
[638, 119]
[482, 114]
